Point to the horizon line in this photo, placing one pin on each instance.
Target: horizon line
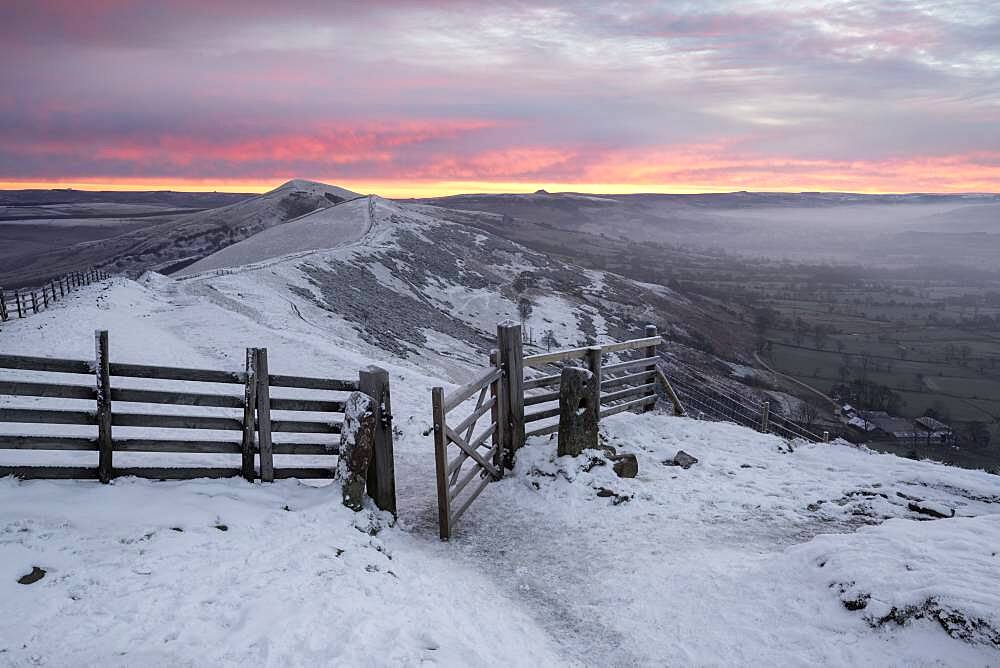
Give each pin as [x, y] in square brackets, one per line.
[402, 190]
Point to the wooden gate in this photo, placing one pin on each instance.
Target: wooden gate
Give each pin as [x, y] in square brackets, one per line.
[488, 452]
[482, 451]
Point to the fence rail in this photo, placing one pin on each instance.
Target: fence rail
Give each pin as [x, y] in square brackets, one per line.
[638, 388]
[246, 414]
[22, 302]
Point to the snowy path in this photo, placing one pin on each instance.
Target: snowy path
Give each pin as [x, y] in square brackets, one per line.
[708, 565]
[317, 232]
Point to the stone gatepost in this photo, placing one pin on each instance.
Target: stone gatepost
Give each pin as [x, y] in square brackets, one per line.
[357, 444]
[579, 409]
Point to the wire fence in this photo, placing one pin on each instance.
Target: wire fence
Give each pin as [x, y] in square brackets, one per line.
[706, 398]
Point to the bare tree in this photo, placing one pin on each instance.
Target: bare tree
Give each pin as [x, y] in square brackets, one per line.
[806, 414]
[549, 340]
[524, 309]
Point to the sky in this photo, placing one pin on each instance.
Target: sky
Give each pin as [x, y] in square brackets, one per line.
[405, 98]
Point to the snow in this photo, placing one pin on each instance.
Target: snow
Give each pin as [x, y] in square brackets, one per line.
[716, 565]
[322, 229]
[315, 187]
[669, 568]
[142, 573]
[861, 423]
[761, 553]
[742, 370]
[555, 312]
[936, 569]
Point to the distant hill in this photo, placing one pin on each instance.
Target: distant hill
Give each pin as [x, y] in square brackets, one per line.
[168, 198]
[179, 239]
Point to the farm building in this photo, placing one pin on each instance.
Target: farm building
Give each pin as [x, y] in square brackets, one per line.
[894, 427]
[861, 424]
[935, 429]
[881, 425]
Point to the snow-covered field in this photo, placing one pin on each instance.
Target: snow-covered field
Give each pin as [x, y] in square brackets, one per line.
[763, 553]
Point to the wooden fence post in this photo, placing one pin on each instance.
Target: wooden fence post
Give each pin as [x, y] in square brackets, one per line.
[374, 381]
[765, 414]
[249, 413]
[826, 437]
[650, 352]
[62, 288]
[264, 417]
[669, 390]
[3, 304]
[17, 298]
[498, 393]
[512, 360]
[104, 441]
[441, 461]
[45, 297]
[34, 302]
[594, 366]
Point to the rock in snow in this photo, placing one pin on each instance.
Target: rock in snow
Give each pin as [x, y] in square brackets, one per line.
[625, 465]
[937, 510]
[682, 459]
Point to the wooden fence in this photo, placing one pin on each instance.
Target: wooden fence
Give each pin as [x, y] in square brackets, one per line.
[246, 394]
[624, 385]
[22, 302]
[503, 392]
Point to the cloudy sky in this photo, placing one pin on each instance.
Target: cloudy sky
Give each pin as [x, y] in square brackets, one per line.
[403, 97]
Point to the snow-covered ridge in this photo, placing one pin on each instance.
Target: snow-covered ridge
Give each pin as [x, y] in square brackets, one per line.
[322, 229]
[404, 280]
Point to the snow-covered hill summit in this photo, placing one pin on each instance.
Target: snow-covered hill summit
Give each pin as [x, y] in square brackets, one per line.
[389, 278]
